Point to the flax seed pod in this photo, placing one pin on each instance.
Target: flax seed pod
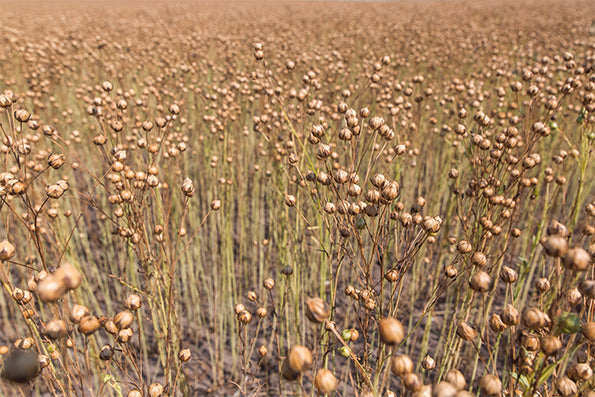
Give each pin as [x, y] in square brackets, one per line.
[444, 389]
[480, 282]
[188, 187]
[456, 378]
[566, 387]
[412, 382]
[299, 358]
[69, 275]
[428, 363]
[587, 287]
[268, 283]
[123, 319]
[577, 259]
[490, 385]
[466, 332]
[401, 365]
[589, 331]
[21, 366]
[288, 373]
[496, 323]
[106, 352]
[55, 329]
[450, 271]
[325, 381]
[534, 318]
[574, 296]
[543, 284]
[215, 205]
[133, 302]
[555, 245]
[510, 315]
[317, 310]
[508, 275]
[478, 259]
[290, 200]
[464, 247]
[557, 228]
[390, 191]
[580, 372]
[51, 289]
[245, 317]
[378, 180]
[7, 250]
[78, 312]
[550, 345]
[88, 325]
[124, 335]
[391, 331]
[156, 390]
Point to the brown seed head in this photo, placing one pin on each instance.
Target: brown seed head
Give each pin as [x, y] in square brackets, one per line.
[566, 387]
[7, 250]
[510, 315]
[444, 389]
[78, 312]
[317, 310]
[69, 275]
[156, 390]
[88, 325]
[56, 160]
[51, 289]
[465, 331]
[55, 329]
[543, 284]
[123, 319]
[478, 259]
[496, 323]
[391, 331]
[106, 352]
[456, 378]
[133, 302]
[480, 282]
[245, 317]
[188, 187]
[262, 351]
[184, 355]
[325, 381]
[534, 318]
[268, 283]
[577, 259]
[589, 331]
[587, 287]
[428, 363]
[508, 275]
[580, 372]
[550, 344]
[299, 358]
[401, 365]
[215, 205]
[464, 247]
[412, 382]
[555, 245]
[490, 384]
[556, 228]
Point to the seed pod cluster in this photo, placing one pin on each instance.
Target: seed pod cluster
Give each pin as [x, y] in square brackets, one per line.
[65, 278]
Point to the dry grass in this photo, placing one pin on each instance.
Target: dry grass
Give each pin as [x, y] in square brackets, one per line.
[282, 198]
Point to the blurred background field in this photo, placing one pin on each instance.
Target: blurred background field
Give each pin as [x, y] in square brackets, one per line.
[190, 189]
